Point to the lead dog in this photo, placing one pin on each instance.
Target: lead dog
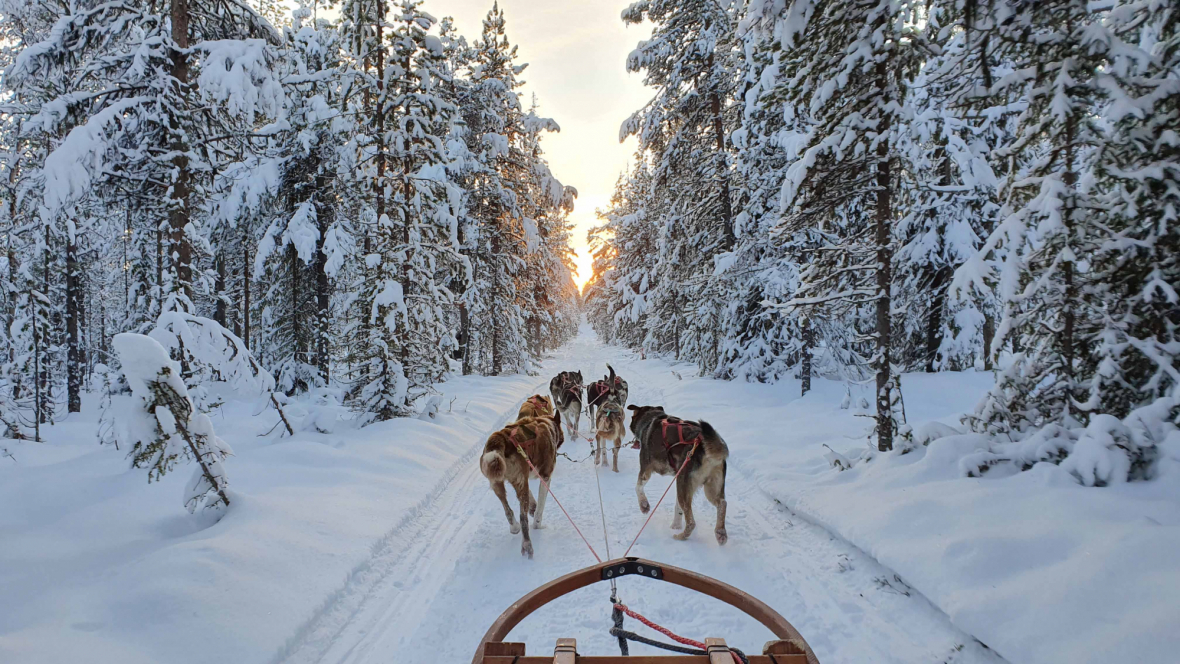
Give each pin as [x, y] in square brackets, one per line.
[596, 395]
[609, 427]
[567, 397]
[562, 380]
[664, 444]
[501, 461]
[618, 386]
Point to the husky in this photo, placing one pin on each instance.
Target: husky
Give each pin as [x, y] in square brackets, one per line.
[535, 406]
[566, 389]
[562, 380]
[664, 444]
[618, 386]
[609, 427]
[501, 461]
[596, 394]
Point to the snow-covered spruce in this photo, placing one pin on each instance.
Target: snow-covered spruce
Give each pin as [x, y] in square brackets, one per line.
[160, 425]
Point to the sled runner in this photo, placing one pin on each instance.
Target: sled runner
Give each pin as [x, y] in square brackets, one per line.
[789, 648]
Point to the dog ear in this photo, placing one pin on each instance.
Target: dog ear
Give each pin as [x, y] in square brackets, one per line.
[631, 407]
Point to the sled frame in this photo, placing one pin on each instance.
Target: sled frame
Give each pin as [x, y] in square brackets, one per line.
[790, 648]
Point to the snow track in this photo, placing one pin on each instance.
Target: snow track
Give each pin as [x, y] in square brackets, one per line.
[438, 579]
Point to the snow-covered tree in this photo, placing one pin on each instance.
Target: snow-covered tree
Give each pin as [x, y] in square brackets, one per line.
[160, 426]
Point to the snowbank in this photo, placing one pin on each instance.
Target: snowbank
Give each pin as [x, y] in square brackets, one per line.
[1036, 566]
[99, 566]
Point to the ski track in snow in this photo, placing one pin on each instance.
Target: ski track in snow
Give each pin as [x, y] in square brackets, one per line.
[438, 579]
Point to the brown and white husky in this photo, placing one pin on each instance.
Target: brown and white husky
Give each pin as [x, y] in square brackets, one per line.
[501, 461]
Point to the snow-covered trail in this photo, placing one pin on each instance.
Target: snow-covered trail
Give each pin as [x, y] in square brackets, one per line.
[431, 589]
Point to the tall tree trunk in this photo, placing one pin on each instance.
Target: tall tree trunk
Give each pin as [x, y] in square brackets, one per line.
[245, 293]
[43, 393]
[180, 248]
[465, 337]
[323, 348]
[1069, 313]
[219, 291]
[127, 266]
[297, 335]
[407, 280]
[989, 335]
[73, 341]
[805, 364]
[159, 266]
[938, 287]
[883, 236]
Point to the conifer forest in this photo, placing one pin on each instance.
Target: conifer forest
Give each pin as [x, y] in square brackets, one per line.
[308, 307]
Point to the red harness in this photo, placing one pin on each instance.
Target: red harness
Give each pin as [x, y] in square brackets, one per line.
[538, 403]
[575, 390]
[678, 425]
[601, 385]
[519, 443]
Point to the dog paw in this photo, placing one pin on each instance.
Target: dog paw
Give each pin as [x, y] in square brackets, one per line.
[526, 549]
[722, 537]
[680, 536]
[514, 529]
[537, 525]
[644, 506]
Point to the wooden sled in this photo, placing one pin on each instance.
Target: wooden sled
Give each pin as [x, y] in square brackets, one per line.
[790, 648]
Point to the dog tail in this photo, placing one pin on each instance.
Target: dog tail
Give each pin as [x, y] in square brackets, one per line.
[714, 445]
[492, 465]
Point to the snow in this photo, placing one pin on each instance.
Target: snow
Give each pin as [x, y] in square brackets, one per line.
[373, 544]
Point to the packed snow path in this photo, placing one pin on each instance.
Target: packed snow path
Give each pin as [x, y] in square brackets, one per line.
[433, 587]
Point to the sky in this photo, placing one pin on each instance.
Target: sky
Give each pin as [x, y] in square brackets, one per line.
[577, 53]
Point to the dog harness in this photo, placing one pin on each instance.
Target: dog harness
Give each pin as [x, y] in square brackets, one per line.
[608, 408]
[530, 436]
[540, 404]
[600, 385]
[678, 425]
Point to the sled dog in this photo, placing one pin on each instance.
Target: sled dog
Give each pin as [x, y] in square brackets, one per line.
[539, 437]
[609, 427]
[664, 443]
[596, 395]
[566, 388]
[535, 406]
[618, 386]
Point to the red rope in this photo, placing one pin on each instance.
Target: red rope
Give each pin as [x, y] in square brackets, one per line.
[667, 632]
[653, 510]
[550, 490]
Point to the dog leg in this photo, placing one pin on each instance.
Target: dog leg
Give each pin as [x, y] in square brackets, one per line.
[644, 476]
[715, 492]
[618, 444]
[543, 492]
[532, 503]
[678, 520]
[498, 489]
[684, 490]
[526, 544]
[597, 449]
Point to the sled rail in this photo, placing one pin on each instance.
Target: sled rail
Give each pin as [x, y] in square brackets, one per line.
[790, 648]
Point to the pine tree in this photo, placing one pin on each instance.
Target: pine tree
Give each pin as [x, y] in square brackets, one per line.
[846, 183]
[1137, 262]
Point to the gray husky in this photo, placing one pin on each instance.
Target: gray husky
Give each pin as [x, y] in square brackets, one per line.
[566, 388]
[664, 444]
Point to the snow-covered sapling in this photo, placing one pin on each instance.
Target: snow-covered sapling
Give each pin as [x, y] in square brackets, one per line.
[158, 423]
